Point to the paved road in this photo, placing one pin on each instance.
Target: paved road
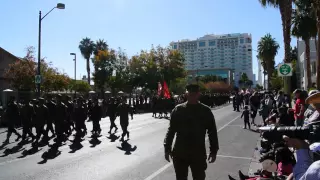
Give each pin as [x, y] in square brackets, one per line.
[142, 159]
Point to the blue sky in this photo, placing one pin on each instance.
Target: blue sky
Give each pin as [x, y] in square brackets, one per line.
[130, 24]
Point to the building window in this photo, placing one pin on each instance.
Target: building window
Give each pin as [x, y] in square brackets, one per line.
[174, 46]
[248, 40]
[241, 41]
[202, 44]
[212, 43]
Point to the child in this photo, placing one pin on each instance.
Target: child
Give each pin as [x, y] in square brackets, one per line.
[245, 114]
[285, 160]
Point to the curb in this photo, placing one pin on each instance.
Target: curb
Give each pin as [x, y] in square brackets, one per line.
[255, 165]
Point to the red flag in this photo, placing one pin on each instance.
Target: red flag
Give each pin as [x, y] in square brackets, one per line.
[159, 88]
[166, 92]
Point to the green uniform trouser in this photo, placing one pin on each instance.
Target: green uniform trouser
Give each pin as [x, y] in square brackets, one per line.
[197, 166]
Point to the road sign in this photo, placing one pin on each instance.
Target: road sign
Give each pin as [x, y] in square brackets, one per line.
[37, 79]
[285, 69]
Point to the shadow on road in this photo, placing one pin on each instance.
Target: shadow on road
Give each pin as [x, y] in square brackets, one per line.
[76, 144]
[29, 152]
[15, 149]
[113, 137]
[52, 153]
[94, 140]
[125, 146]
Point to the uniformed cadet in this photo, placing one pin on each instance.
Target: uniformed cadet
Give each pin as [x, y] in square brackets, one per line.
[95, 116]
[80, 118]
[52, 113]
[69, 121]
[60, 119]
[27, 113]
[190, 121]
[12, 114]
[41, 117]
[112, 114]
[123, 111]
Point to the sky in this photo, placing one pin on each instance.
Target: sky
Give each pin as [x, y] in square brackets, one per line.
[130, 24]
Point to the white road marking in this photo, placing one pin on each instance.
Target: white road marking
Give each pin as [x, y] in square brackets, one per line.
[235, 157]
[159, 171]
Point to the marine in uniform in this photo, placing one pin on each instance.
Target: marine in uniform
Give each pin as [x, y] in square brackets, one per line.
[190, 122]
[12, 114]
[123, 111]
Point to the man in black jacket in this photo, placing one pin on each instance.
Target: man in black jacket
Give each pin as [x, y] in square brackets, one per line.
[190, 121]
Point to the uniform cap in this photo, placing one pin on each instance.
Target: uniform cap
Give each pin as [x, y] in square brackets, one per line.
[313, 99]
[193, 88]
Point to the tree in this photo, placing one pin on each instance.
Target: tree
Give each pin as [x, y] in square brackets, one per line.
[285, 8]
[178, 86]
[157, 65]
[53, 80]
[249, 83]
[86, 47]
[22, 72]
[259, 87]
[305, 27]
[80, 86]
[315, 4]
[100, 45]
[267, 50]
[243, 81]
[103, 66]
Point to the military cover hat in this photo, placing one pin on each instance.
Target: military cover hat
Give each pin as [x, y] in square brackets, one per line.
[193, 86]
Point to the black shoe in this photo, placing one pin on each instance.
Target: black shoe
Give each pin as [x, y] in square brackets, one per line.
[231, 178]
[242, 176]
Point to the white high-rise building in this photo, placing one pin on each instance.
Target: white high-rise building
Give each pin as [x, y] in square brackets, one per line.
[260, 73]
[218, 52]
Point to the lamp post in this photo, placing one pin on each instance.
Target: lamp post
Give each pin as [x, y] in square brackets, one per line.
[59, 6]
[75, 71]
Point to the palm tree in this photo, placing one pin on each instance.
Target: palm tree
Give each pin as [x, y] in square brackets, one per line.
[86, 47]
[267, 50]
[316, 9]
[285, 7]
[305, 27]
[100, 45]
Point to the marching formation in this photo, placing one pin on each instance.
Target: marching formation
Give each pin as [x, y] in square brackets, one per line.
[58, 117]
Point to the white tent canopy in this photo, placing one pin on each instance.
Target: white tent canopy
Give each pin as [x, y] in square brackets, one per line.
[7, 90]
[92, 92]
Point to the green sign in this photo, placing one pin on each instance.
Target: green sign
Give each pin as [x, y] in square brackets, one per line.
[37, 79]
[285, 69]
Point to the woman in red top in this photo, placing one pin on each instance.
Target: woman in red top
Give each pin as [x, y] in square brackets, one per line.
[299, 108]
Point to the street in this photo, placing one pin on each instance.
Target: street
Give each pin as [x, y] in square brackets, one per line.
[142, 158]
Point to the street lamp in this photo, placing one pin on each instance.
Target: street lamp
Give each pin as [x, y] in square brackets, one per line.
[75, 70]
[59, 6]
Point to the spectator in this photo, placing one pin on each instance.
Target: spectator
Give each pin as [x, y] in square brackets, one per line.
[298, 108]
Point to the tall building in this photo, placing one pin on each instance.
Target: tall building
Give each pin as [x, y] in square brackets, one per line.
[301, 63]
[218, 54]
[260, 73]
